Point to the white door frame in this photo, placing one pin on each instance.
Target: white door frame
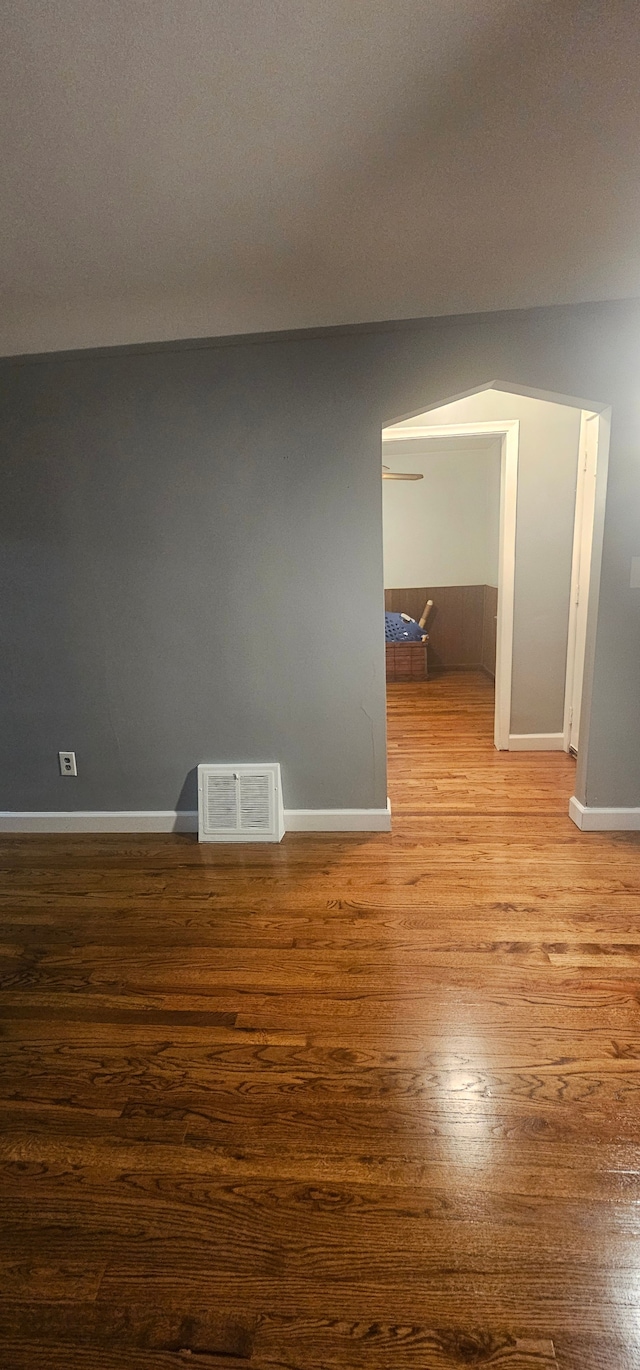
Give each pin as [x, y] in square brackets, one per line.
[509, 431]
[580, 573]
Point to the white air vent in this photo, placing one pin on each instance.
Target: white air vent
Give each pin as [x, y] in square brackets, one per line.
[240, 803]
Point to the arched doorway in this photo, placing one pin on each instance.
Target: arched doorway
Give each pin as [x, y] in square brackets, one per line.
[549, 549]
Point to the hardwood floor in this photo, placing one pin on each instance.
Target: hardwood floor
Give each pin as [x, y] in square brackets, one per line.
[354, 1101]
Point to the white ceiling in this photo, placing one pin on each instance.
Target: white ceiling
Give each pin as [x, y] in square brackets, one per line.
[190, 167]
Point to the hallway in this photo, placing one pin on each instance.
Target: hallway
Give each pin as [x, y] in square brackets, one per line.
[442, 759]
[360, 1100]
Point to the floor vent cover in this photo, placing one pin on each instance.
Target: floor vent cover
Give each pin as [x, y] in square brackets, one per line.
[240, 803]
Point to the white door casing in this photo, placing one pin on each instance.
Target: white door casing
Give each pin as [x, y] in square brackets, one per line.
[580, 575]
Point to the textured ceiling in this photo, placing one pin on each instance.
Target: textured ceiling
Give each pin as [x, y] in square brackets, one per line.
[179, 168]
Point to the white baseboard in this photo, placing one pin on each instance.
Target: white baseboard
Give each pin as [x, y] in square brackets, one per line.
[536, 742]
[100, 820]
[168, 820]
[603, 819]
[338, 820]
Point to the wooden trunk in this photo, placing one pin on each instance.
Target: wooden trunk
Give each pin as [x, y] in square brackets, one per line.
[461, 625]
[406, 660]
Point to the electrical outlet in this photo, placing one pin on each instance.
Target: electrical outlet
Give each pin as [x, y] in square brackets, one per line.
[67, 763]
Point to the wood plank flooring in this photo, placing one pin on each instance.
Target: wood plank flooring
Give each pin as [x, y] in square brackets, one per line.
[353, 1101]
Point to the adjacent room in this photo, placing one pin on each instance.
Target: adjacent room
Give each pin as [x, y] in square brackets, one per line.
[488, 509]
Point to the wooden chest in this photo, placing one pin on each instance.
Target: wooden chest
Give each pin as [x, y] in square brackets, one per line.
[406, 660]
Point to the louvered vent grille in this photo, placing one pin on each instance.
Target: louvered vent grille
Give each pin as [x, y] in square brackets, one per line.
[221, 802]
[240, 803]
[255, 807]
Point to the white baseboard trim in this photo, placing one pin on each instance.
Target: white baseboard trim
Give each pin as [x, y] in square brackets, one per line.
[168, 820]
[100, 820]
[338, 820]
[603, 819]
[536, 742]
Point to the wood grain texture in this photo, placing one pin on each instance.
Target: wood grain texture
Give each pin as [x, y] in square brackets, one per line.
[456, 622]
[406, 661]
[359, 1100]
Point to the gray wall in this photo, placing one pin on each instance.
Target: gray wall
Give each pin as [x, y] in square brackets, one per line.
[178, 530]
[153, 500]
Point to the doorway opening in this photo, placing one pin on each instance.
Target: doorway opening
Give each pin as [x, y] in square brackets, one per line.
[535, 469]
[472, 610]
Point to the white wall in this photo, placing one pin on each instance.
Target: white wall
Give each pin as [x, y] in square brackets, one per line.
[442, 530]
[547, 472]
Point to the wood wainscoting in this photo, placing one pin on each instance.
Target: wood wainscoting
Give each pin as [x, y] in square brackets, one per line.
[461, 626]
